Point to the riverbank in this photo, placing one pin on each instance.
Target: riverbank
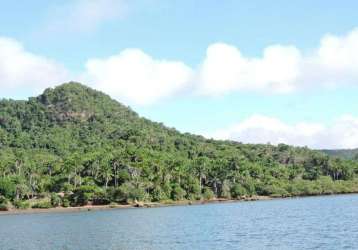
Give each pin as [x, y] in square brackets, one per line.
[127, 206]
[89, 208]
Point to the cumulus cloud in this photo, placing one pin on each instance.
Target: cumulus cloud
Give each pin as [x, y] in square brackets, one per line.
[225, 69]
[22, 70]
[136, 77]
[84, 15]
[281, 69]
[343, 133]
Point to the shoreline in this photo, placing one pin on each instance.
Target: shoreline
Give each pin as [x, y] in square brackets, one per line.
[89, 208]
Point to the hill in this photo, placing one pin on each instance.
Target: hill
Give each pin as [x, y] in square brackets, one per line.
[350, 154]
[73, 145]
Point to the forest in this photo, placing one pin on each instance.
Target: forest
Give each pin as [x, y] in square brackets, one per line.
[74, 146]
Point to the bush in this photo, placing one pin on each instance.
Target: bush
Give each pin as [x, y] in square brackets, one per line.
[66, 202]
[42, 205]
[4, 204]
[3, 200]
[128, 193]
[82, 195]
[4, 207]
[178, 193]
[85, 195]
[274, 191]
[68, 187]
[7, 188]
[208, 194]
[55, 200]
[238, 190]
[101, 197]
[225, 190]
[250, 187]
[192, 186]
[158, 194]
[19, 204]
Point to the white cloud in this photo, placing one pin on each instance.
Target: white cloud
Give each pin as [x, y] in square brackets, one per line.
[136, 77]
[133, 76]
[84, 15]
[22, 70]
[343, 133]
[281, 69]
[225, 69]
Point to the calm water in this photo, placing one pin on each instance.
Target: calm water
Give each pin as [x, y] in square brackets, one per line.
[306, 223]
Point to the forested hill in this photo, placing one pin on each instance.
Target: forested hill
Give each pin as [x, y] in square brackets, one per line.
[73, 145]
[351, 154]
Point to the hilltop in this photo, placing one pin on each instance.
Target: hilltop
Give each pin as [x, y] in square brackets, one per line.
[73, 145]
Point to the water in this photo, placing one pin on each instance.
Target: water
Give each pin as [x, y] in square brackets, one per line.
[329, 222]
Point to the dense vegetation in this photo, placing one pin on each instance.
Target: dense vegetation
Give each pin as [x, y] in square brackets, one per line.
[350, 154]
[74, 146]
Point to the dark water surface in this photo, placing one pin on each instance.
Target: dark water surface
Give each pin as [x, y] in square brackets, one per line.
[329, 222]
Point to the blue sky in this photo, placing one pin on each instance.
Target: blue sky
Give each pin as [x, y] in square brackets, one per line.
[205, 60]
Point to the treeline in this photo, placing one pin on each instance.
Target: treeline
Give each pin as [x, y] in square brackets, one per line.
[75, 146]
[350, 154]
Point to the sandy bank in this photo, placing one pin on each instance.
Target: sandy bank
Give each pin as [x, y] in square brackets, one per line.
[134, 205]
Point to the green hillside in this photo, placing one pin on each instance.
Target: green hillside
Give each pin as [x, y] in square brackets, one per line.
[73, 145]
[350, 154]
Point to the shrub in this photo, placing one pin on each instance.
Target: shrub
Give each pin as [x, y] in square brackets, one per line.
[208, 194]
[82, 195]
[225, 190]
[66, 202]
[3, 200]
[128, 193]
[42, 205]
[19, 204]
[192, 187]
[4, 204]
[250, 187]
[89, 194]
[178, 193]
[274, 191]
[68, 187]
[101, 197]
[7, 188]
[55, 200]
[158, 194]
[238, 190]
[4, 207]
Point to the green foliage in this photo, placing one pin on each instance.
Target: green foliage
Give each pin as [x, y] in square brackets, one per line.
[4, 204]
[85, 195]
[349, 154]
[208, 194]
[7, 188]
[178, 193]
[42, 204]
[66, 201]
[128, 193]
[158, 194]
[19, 204]
[4, 207]
[238, 190]
[56, 200]
[80, 144]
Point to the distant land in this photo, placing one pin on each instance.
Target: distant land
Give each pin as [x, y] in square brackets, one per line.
[75, 146]
[349, 154]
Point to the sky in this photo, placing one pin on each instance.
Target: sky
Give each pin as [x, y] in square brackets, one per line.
[252, 71]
